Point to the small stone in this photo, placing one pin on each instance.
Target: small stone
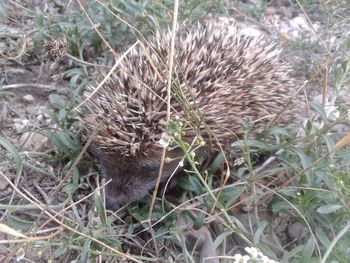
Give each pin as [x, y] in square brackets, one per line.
[40, 141]
[270, 10]
[28, 98]
[3, 184]
[295, 231]
[25, 122]
[18, 127]
[33, 141]
[4, 112]
[40, 117]
[54, 66]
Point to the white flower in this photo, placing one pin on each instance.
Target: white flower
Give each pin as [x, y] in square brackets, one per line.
[252, 251]
[241, 259]
[255, 255]
[202, 142]
[265, 259]
[165, 140]
[246, 258]
[237, 257]
[20, 254]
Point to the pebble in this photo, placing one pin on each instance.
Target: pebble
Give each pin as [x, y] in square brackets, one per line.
[25, 122]
[40, 141]
[3, 184]
[295, 231]
[28, 98]
[33, 141]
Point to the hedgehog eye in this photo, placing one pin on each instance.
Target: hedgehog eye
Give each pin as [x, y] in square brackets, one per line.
[149, 168]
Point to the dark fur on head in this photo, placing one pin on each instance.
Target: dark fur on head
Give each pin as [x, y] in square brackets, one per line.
[222, 77]
[132, 177]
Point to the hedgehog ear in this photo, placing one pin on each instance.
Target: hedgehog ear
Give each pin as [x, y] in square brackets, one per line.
[149, 166]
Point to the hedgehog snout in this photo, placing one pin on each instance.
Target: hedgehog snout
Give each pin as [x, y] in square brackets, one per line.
[132, 178]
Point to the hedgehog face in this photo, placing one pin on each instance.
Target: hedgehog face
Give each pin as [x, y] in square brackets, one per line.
[131, 177]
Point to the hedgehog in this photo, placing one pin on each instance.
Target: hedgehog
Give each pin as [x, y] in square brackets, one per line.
[224, 79]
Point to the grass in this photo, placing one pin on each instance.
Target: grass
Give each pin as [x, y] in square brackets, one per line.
[53, 206]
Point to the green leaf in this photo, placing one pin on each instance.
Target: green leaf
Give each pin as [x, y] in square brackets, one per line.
[84, 256]
[305, 162]
[319, 109]
[214, 166]
[100, 209]
[190, 183]
[18, 223]
[292, 253]
[60, 251]
[308, 251]
[70, 188]
[323, 238]
[340, 74]
[12, 150]
[199, 221]
[57, 102]
[67, 140]
[328, 209]
[229, 195]
[260, 231]
[220, 238]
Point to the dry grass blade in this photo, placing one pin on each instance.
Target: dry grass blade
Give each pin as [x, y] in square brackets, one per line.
[341, 143]
[10, 231]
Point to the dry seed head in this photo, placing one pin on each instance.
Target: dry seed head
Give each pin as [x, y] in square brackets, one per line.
[55, 49]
